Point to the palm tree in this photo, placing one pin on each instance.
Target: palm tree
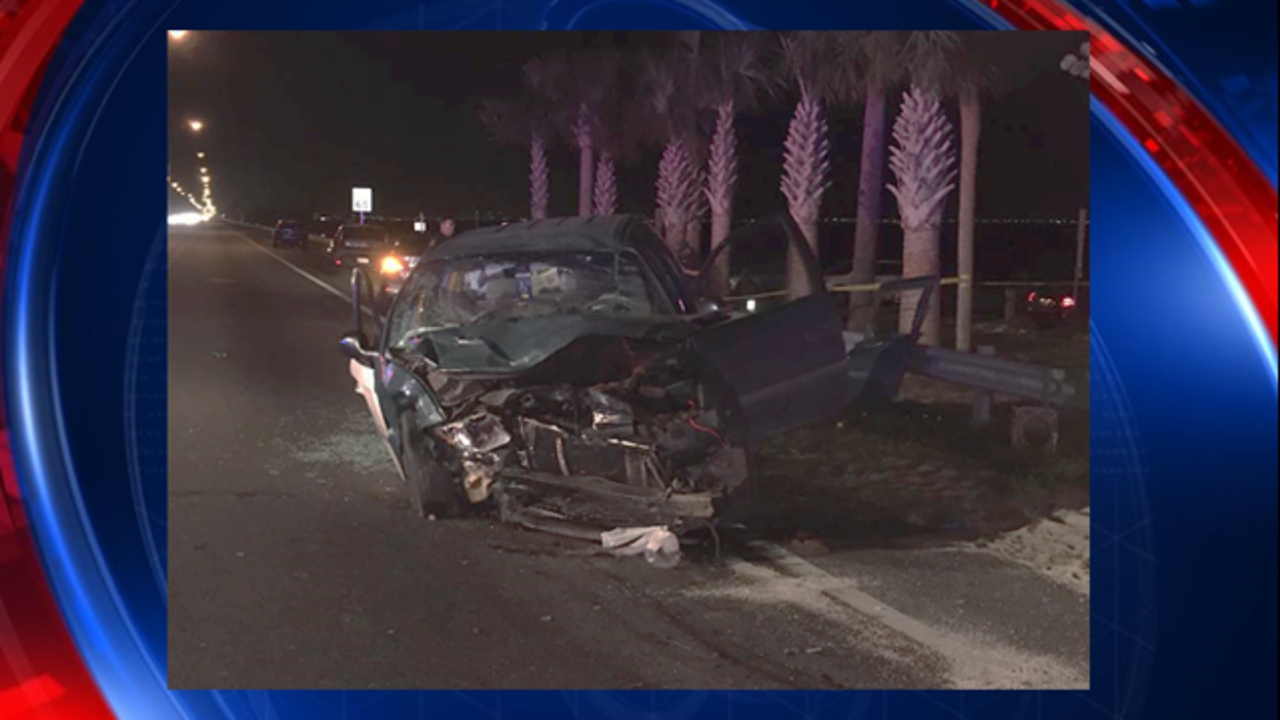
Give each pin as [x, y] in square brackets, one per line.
[805, 169]
[734, 77]
[529, 122]
[923, 164]
[984, 63]
[970, 130]
[544, 82]
[612, 144]
[592, 76]
[878, 59]
[670, 118]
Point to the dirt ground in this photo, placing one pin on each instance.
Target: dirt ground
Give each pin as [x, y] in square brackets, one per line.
[918, 474]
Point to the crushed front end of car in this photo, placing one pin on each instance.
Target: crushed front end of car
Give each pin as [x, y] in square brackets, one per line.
[609, 431]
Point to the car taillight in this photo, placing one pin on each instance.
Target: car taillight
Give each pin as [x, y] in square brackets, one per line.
[391, 265]
[1031, 296]
[1068, 302]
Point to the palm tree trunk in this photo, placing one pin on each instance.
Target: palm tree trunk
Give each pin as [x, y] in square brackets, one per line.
[970, 130]
[539, 177]
[586, 161]
[870, 187]
[693, 234]
[921, 255]
[804, 179]
[722, 180]
[586, 167]
[721, 223]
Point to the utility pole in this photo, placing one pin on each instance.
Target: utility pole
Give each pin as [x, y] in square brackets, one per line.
[1082, 225]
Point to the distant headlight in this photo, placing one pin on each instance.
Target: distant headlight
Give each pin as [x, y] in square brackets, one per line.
[391, 265]
[186, 218]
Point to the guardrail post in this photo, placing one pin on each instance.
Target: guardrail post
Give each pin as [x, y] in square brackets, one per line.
[1058, 379]
[983, 399]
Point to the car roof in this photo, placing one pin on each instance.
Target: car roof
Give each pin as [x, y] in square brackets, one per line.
[608, 233]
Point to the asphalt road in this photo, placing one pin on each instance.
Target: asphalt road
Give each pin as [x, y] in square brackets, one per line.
[295, 562]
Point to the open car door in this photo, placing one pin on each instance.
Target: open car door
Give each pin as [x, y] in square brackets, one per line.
[781, 350]
[360, 346]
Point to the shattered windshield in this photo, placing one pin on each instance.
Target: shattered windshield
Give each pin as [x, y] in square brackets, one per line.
[445, 294]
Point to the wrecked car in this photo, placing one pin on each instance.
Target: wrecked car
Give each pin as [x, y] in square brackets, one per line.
[570, 373]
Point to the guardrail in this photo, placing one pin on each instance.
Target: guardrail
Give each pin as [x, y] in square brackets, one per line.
[995, 375]
[837, 285]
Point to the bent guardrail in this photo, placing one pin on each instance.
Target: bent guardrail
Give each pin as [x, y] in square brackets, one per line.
[992, 374]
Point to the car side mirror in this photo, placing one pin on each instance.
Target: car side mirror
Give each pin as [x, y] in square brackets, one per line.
[354, 346]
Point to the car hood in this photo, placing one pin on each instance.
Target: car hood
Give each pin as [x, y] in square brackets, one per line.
[515, 346]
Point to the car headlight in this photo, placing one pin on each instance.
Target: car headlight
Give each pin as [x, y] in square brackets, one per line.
[480, 433]
[391, 265]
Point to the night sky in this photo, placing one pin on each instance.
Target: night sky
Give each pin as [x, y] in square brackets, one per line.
[293, 120]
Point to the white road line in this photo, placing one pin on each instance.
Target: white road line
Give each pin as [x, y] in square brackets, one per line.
[977, 663]
[848, 594]
[324, 285]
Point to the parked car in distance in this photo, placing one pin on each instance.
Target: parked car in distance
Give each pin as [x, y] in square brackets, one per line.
[571, 375]
[289, 233]
[1048, 307]
[355, 244]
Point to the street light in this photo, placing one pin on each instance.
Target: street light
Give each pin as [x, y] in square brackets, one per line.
[200, 155]
[195, 125]
[178, 34]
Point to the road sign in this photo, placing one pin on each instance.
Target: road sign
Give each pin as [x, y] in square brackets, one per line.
[362, 200]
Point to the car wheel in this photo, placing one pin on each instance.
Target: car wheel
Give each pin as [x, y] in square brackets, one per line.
[432, 489]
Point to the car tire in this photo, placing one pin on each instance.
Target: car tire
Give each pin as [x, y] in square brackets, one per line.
[432, 488]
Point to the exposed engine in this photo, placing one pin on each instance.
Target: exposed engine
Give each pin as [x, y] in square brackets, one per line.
[652, 444]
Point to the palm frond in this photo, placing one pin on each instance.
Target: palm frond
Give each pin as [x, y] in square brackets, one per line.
[929, 55]
[806, 165]
[922, 159]
[880, 56]
[507, 122]
[734, 68]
